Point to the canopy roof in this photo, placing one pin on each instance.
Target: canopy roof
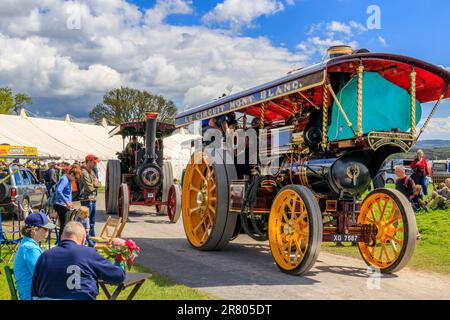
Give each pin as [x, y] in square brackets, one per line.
[65, 139]
[138, 129]
[432, 81]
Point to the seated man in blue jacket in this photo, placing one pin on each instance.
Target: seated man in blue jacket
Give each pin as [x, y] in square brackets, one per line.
[71, 270]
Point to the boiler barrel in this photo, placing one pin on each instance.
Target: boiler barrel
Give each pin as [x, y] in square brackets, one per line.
[334, 176]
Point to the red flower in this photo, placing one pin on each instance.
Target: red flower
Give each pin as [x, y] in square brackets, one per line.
[131, 245]
[119, 257]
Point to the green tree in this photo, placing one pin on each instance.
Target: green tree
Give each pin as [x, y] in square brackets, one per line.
[6, 101]
[127, 104]
[13, 103]
[20, 100]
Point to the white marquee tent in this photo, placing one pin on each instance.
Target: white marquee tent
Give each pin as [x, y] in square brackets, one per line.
[73, 141]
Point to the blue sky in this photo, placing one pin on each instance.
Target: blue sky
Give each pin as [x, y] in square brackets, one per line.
[67, 54]
[409, 27]
[416, 28]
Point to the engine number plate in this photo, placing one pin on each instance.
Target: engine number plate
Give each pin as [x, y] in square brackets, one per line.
[150, 195]
[345, 238]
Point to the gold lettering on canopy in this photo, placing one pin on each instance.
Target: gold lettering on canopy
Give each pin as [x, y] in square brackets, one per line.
[303, 83]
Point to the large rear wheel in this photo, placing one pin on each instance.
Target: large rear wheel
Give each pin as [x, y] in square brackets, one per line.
[112, 185]
[207, 223]
[124, 202]
[295, 229]
[166, 184]
[392, 215]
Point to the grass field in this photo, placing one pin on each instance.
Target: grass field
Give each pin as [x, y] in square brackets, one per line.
[432, 251]
[156, 288]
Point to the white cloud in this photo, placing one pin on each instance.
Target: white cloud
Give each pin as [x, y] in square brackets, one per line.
[382, 40]
[357, 26]
[117, 45]
[337, 26]
[438, 128]
[164, 8]
[323, 35]
[31, 65]
[240, 13]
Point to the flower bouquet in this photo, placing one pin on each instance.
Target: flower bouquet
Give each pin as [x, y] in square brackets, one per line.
[123, 252]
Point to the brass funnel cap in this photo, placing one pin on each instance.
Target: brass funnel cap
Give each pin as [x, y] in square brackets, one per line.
[340, 50]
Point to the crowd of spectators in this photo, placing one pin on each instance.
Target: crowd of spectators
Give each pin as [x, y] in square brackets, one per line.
[71, 269]
[415, 187]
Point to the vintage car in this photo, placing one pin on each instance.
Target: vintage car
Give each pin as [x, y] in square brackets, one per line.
[20, 190]
[323, 132]
[389, 172]
[141, 176]
[440, 170]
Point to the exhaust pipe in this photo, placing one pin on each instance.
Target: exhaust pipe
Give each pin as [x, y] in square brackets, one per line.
[150, 136]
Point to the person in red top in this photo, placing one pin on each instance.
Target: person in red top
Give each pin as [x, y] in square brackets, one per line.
[420, 171]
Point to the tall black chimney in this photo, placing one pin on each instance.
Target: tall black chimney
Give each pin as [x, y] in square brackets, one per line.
[150, 136]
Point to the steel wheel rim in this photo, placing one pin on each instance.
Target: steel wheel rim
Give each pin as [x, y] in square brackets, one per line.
[382, 210]
[106, 185]
[120, 205]
[171, 203]
[289, 229]
[199, 202]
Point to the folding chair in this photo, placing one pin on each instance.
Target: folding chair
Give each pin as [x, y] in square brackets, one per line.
[9, 273]
[47, 210]
[111, 230]
[10, 245]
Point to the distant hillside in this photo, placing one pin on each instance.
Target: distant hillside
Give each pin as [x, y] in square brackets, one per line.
[429, 144]
[434, 149]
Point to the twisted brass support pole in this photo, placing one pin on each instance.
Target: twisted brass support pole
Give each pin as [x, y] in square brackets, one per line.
[430, 116]
[295, 105]
[413, 102]
[359, 130]
[262, 115]
[325, 118]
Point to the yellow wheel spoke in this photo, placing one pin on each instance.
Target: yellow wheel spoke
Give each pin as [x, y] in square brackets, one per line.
[192, 188]
[386, 202]
[289, 252]
[202, 221]
[400, 242]
[283, 213]
[206, 231]
[202, 176]
[394, 218]
[373, 215]
[380, 256]
[386, 252]
[394, 247]
[192, 210]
